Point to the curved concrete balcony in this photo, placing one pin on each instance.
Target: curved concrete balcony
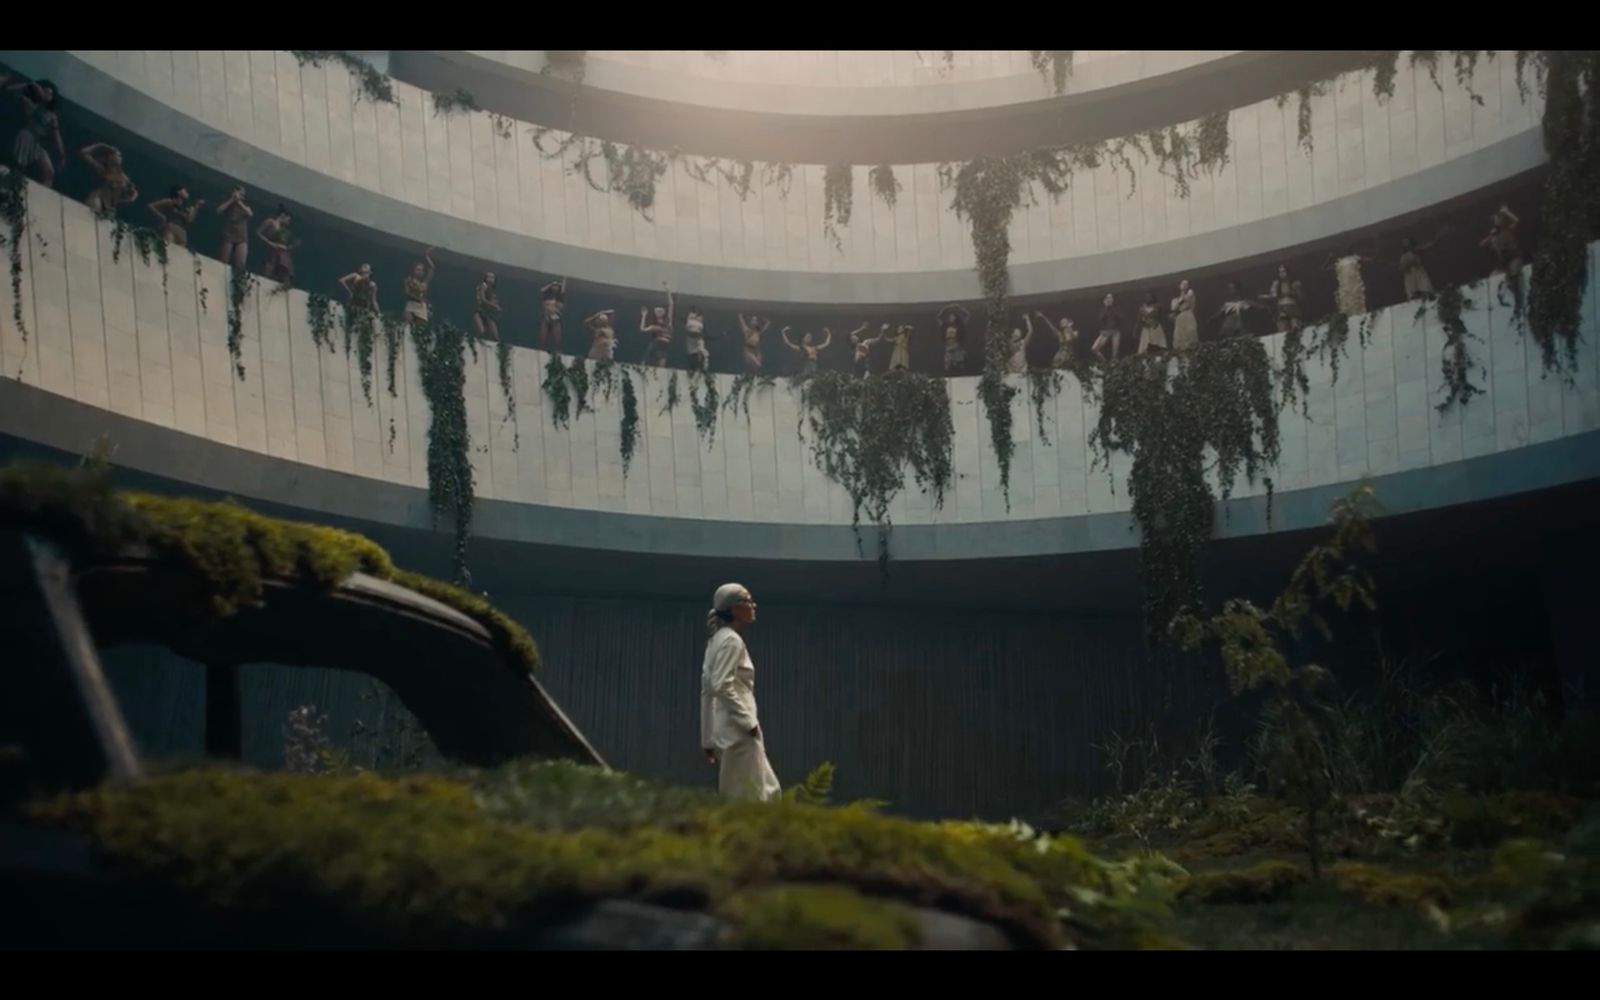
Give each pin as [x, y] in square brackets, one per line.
[408, 175]
[114, 346]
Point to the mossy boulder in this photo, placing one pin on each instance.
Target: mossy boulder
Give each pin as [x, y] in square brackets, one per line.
[1263, 882]
[1378, 886]
[488, 856]
[222, 552]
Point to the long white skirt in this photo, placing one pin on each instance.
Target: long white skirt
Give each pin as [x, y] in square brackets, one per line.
[745, 773]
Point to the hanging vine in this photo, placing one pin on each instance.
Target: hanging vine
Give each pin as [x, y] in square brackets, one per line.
[460, 101]
[441, 360]
[838, 198]
[14, 206]
[556, 387]
[885, 184]
[319, 318]
[358, 322]
[394, 329]
[1561, 264]
[996, 396]
[240, 284]
[744, 384]
[571, 63]
[671, 396]
[630, 422]
[705, 411]
[147, 243]
[509, 391]
[1220, 400]
[370, 83]
[866, 432]
[1454, 362]
[1055, 67]
[1044, 384]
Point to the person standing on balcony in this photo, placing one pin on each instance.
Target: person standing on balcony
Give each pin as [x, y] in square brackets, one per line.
[1350, 291]
[235, 229]
[658, 323]
[274, 232]
[953, 320]
[486, 309]
[1287, 293]
[1066, 339]
[730, 730]
[1110, 329]
[116, 188]
[176, 214]
[40, 132]
[1412, 270]
[808, 348]
[900, 357]
[1185, 326]
[861, 348]
[415, 309]
[1233, 312]
[1152, 334]
[752, 329]
[602, 336]
[361, 289]
[553, 299]
[695, 337]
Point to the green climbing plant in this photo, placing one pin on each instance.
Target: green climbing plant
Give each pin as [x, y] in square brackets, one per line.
[1055, 67]
[508, 390]
[1561, 264]
[559, 390]
[865, 433]
[319, 319]
[629, 426]
[1167, 415]
[441, 359]
[838, 199]
[240, 284]
[371, 84]
[704, 406]
[14, 207]
[460, 102]
[1455, 362]
[885, 184]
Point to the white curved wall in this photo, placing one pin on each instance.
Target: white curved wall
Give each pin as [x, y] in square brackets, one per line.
[853, 83]
[104, 333]
[460, 167]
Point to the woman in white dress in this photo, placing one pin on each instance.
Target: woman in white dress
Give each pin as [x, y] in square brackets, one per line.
[730, 731]
[1350, 294]
[1185, 325]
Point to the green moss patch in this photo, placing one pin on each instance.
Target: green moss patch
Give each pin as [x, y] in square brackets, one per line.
[1259, 883]
[444, 858]
[819, 918]
[225, 551]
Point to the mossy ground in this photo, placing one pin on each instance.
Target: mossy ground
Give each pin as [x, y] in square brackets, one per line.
[224, 549]
[1496, 870]
[477, 856]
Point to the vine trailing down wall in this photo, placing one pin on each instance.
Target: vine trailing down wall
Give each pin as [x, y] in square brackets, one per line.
[14, 207]
[441, 357]
[866, 432]
[1168, 414]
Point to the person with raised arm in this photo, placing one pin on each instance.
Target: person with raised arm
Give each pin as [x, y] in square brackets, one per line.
[658, 323]
[808, 348]
[236, 217]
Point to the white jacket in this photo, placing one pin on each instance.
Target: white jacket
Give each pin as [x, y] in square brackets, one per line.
[727, 692]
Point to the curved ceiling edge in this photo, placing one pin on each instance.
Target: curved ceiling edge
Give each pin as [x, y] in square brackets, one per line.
[898, 137]
[397, 222]
[44, 418]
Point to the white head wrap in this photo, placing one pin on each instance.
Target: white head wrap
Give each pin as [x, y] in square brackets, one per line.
[722, 602]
